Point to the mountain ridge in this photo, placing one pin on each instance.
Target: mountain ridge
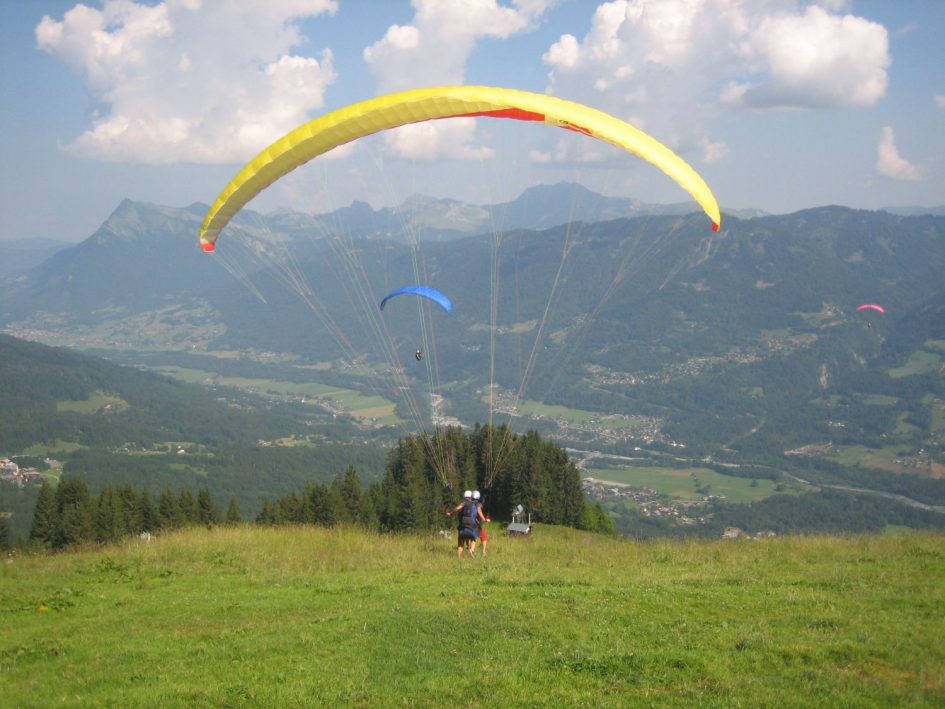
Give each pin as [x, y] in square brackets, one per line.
[657, 340]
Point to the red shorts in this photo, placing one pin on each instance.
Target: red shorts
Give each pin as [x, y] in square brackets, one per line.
[483, 535]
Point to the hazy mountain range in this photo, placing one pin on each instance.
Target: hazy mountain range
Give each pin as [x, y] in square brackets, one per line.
[629, 333]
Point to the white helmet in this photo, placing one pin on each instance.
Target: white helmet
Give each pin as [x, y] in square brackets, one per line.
[476, 495]
[467, 494]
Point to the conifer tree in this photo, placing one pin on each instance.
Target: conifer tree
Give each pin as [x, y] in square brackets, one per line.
[370, 503]
[307, 513]
[189, 513]
[267, 514]
[208, 513]
[148, 518]
[6, 543]
[233, 515]
[290, 509]
[129, 519]
[45, 517]
[349, 489]
[106, 512]
[169, 511]
[324, 506]
[74, 508]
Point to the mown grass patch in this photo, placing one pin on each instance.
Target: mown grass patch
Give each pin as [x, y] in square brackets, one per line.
[579, 417]
[921, 362]
[96, 402]
[302, 616]
[43, 450]
[374, 409]
[897, 459]
[692, 483]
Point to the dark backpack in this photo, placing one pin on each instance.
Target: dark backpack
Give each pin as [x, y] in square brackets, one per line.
[469, 517]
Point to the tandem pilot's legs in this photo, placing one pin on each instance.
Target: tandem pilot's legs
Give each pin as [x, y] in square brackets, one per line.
[467, 542]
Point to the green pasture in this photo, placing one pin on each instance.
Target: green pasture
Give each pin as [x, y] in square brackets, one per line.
[938, 414]
[553, 411]
[870, 399]
[576, 417]
[878, 458]
[921, 362]
[44, 450]
[303, 616]
[621, 422]
[878, 399]
[376, 409]
[903, 427]
[97, 401]
[684, 483]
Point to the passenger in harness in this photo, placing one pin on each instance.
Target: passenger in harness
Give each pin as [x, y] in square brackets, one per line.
[470, 517]
[483, 534]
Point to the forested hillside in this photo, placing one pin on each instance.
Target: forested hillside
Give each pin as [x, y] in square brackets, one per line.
[111, 424]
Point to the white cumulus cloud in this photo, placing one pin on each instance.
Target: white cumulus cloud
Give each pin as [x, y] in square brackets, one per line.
[678, 64]
[890, 164]
[817, 60]
[433, 50]
[189, 80]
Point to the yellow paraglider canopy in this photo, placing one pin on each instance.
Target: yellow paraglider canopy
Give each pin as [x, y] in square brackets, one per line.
[372, 116]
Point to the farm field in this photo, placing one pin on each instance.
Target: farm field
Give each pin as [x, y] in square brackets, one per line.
[375, 409]
[685, 483]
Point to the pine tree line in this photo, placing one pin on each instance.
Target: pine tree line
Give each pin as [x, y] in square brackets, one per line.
[424, 475]
[69, 515]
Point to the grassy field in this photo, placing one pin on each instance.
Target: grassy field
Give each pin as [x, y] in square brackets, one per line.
[920, 362]
[374, 409]
[895, 459]
[307, 617]
[51, 449]
[683, 483]
[98, 401]
[578, 417]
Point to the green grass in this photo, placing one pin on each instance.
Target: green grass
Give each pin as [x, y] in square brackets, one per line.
[574, 416]
[578, 417]
[938, 414]
[376, 409]
[48, 449]
[97, 401]
[682, 483]
[307, 617]
[878, 458]
[878, 399]
[920, 362]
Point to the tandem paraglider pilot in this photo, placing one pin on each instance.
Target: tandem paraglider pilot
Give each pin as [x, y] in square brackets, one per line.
[470, 519]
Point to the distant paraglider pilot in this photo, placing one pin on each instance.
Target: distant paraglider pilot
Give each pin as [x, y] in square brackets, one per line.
[870, 306]
[418, 354]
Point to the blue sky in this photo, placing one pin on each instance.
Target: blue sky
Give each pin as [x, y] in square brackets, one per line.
[779, 104]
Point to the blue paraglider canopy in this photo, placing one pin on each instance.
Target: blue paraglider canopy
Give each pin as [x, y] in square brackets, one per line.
[424, 291]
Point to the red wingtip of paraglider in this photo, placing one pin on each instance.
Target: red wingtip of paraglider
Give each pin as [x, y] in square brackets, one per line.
[715, 227]
[208, 246]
